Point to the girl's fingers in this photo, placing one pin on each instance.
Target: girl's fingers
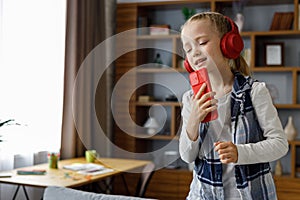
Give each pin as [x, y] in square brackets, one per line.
[227, 160]
[209, 95]
[208, 103]
[220, 145]
[205, 99]
[225, 156]
[227, 151]
[203, 104]
[223, 151]
[216, 143]
[201, 90]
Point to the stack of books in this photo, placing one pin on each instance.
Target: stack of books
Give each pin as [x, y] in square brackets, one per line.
[159, 30]
[282, 21]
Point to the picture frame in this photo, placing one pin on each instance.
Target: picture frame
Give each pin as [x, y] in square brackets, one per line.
[274, 54]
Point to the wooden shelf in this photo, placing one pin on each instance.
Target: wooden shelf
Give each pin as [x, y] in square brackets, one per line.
[160, 4]
[253, 69]
[280, 33]
[158, 37]
[269, 2]
[142, 136]
[179, 104]
[271, 33]
[295, 142]
[288, 106]
[160, 70]
[275, 69]
[159, 103]
[185, 2]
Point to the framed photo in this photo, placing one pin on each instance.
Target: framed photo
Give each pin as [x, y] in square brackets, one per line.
[274, 54]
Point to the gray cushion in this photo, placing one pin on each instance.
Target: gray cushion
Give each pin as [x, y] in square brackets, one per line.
[61, 193]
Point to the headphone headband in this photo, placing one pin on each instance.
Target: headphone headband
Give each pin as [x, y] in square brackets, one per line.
[233, 26]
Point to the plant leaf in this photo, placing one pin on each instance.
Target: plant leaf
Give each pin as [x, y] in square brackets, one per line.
[5, 122]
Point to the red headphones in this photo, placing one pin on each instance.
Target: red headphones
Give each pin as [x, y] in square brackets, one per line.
[231, 44]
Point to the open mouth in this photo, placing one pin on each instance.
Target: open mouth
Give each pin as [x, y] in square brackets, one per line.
[200, 62]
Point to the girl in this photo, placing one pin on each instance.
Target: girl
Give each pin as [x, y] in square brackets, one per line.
[231, 154]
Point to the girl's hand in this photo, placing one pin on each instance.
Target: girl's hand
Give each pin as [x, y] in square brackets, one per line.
[200, 107]
[227, 152]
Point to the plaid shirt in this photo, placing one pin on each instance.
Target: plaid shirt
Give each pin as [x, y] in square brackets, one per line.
[253, 181]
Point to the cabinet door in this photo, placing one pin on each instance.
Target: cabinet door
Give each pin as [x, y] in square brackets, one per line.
[287, 188]
[170, 184]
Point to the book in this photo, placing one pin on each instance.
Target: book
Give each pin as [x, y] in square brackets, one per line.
[31, 172]
[276, 21]
[286, 20]
[145, 98]
[282, 21]
[88, 169]
[83, 166]
[5, 174]
[95, 171]
[159, 30]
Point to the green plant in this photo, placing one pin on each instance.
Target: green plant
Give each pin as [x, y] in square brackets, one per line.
[5, 123]
[187, 13]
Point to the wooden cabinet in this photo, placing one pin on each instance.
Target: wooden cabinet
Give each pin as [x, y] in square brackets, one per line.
[165, 184]
[168, 184]
[145, 78]
[288, 184]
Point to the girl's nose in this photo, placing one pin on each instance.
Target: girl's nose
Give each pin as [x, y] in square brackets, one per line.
[196, 52]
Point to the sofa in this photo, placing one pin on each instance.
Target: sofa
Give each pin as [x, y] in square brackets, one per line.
[62, 193]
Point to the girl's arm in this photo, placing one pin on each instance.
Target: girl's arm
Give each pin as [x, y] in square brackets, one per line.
[195, 109]
[275, 146]
[188, 148]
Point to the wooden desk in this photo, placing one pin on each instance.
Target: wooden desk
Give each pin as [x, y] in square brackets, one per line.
[57, 177]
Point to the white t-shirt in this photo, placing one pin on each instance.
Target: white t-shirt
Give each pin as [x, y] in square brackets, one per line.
[228, 175]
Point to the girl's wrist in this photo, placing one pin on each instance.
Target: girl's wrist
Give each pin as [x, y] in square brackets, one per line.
[192, 131]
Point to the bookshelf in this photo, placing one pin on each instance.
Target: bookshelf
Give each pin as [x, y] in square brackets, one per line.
[254, 35]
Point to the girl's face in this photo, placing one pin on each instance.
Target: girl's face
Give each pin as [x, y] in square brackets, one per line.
[201, 43]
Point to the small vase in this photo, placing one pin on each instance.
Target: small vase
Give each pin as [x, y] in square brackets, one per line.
[290, 129]
[239, 20]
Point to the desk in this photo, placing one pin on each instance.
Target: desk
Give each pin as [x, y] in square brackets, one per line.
[57, 177]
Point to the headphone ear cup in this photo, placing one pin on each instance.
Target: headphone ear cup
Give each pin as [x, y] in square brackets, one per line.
[232, 43]
[188, 66]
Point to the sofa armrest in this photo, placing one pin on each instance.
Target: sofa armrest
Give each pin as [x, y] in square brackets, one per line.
[62, 193]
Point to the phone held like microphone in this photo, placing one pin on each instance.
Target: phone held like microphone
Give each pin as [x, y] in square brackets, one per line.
[197, 78]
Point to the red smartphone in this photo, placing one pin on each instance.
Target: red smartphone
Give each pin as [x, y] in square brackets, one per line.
[197, 78]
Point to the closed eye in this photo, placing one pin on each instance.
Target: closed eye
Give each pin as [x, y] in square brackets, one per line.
[203, 43]
[188, 50]
[187, 47]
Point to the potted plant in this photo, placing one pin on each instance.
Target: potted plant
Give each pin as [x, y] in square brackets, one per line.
[187, 13]
[6, 122]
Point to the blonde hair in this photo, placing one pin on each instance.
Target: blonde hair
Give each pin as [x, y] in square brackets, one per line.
[222, 26]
